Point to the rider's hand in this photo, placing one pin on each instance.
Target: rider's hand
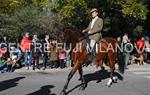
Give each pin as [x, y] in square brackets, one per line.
[89, 32]
[83, 31]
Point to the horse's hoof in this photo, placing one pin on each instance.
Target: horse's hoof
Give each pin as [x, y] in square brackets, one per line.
[107, 85]
[83, 86]
[63, 92]
[115, 79]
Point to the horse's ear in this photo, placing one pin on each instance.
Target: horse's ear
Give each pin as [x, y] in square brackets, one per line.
[66, 30]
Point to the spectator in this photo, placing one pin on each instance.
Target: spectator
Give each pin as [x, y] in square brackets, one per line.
[2, 64]
[126, 42]
[68, 58]
[6, 65]
[146, 38]
[13, 50]
[4, 51]
[11, 62]
[119, 53]
[36, 51]
[26, 49]
[140, 45]
[62, 57]
[125, 38]
[5, 43]
[15, 55]
[45, 51]
[127, 50]
[53, 55]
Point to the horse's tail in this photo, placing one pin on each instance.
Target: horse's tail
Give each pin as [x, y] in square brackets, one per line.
[120, 61]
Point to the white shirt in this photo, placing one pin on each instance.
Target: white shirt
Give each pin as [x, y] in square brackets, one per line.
[125, 39]
[47, 42]
[93, 21]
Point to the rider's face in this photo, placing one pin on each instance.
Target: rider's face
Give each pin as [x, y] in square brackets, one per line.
[94, 14]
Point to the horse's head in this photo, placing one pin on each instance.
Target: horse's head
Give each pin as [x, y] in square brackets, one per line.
[70, 35]
[67, 34]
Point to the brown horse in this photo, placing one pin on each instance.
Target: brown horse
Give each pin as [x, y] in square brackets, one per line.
[80, 56]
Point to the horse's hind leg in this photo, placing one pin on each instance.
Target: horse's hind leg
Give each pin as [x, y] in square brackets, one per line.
[63, 92]
[83, 83]
[112, 68]
[74, 69]
[110, 79]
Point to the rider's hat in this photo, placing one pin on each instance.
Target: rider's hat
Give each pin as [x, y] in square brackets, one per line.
[93, 10]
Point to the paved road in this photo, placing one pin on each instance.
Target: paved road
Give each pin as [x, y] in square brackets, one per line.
[50, 82]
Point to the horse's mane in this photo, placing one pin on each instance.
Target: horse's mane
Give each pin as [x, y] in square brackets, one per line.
[76, 35]
[72, 36]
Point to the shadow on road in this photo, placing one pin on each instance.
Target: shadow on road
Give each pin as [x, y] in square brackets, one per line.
[97, 76]
[45, 90]
[100, 75]
[9, 83]
[74, 88]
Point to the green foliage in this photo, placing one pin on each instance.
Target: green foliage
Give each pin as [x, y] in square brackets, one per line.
[23, 21]
[33, 17]
[138, 31]
[133, 8]
[68, 7]
[8, 6]
[47, 16]
[118, 15]
[72, 12]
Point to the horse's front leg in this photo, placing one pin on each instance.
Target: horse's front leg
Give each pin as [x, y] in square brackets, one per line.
[74, 69]
[63, 92]
[109, 83]
[83, 83]
[112, 78]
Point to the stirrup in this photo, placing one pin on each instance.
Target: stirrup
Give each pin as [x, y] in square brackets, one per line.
[88, 49]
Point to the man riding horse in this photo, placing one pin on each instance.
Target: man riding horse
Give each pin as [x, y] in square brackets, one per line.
[80, 58]
[94, 31]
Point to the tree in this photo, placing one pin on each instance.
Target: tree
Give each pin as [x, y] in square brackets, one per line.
[71, 11]
[10, 6]
[28, 16]
[133, 8]
[117, 14]
[42, 16]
